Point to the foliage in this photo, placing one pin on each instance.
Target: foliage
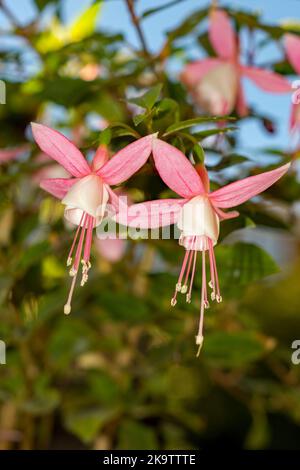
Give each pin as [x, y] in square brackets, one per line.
[121, 371]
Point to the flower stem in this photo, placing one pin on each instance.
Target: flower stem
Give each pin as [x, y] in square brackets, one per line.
[136, 23]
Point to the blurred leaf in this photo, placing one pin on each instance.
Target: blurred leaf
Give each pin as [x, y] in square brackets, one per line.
[125, 129]
[85, 24]
[65, 91]
[105, 137]
[152, 11]
[188, 25]
[243, 263]
[194, 122]
[198, 153]
[208, 132]
[139, 118]
[86, 424]
[124, 306]
[148, 99]
[134, 435]
[33, 254]
[232, 349]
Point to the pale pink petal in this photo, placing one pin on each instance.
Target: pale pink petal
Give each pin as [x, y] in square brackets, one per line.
[226, 215]
[195, 71]
[117, 202]
[221, 34]
[292, 46]
[58, 187]
[127, 161]
[112, 249]
[100, 157]
[267, 80]
[176, 171]
[236, 193]
[151, 214]
[241, 105]
[58, 147]
[295, 117]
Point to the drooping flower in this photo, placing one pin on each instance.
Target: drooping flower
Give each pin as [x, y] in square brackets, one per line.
[216, 82]
[292, 46]
[87, 193]
[197, 214]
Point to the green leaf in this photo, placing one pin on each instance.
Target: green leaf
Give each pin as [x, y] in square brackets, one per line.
[125, 130]
[148, 100]
[66, 91]
[85, 24]
[105, 137]
[152, 11]
[243, 263]
[134, 435]
[86, 424]
[33, 254]
[167, 105]
[198, 154]
[232, 349]
[230, 160]
[178, 126]
[208, 132]
[139, 118]
[188, 25]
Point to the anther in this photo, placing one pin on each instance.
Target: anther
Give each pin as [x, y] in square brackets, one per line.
[206, 304]
[69, 261]
[211, 284]
[178, 287]
[184, 289]
[199, 342]
[67, 309]
[73, 271]
[173, 302]
[219, 298]
[213, 296]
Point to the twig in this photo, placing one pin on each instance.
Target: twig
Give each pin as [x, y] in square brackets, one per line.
[135, 21]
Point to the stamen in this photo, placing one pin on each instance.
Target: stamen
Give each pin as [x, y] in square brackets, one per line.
[86, 265]
[212, 283]
[189, 294]
[67, 307]
[79, 247]
[199, 343]
[184, 288]
[69, 260]
[74, 270]
[199, 337]
[178, 285]
[218, 295]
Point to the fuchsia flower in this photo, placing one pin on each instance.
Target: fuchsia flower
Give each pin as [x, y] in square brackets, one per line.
[197, 214]
[216, 82]
[292, 46]
[87, 193]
